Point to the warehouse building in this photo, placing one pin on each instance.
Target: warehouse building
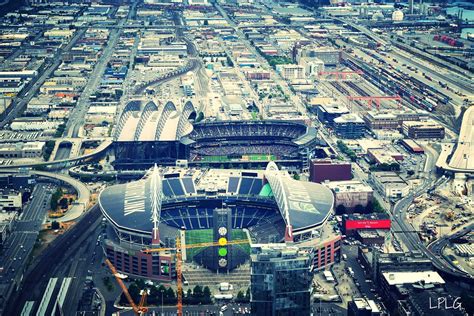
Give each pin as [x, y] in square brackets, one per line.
[424, 129]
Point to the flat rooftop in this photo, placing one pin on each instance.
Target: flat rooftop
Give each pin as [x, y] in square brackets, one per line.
[399, 278]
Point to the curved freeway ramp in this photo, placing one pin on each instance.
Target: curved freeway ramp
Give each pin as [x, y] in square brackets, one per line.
[83, 193]
[191, 65]
[463, 157]
[63, 163]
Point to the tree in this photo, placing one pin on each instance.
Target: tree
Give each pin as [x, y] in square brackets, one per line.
[63, 203]
[188, 299]
[134, 291]
[170, 296]
[296, 176]
[55, 225]
[240, 297]
[197, 293]
[247, 295]
[340, 209]
[207, 296]
[200, 117]
[359, 209]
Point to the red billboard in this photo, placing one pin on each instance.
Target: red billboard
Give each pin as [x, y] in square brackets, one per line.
[368, 224]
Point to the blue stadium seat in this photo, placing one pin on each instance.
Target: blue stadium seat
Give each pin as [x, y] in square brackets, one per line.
[188, 185]
[256, 186]
[167, 189]
[233, 184]
[245, 185]
[176, 186]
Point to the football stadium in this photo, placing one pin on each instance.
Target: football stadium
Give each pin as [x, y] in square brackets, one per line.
[148, 132]
[209, 205]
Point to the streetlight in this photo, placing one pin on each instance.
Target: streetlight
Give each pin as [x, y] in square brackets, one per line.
[162, 303]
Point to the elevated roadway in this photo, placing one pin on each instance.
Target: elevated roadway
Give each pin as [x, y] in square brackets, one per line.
[64, 163]
[463, 157]
[83, 193]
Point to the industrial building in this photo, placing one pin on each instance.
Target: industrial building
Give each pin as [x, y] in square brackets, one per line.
[22, 150]
[321, 170]
[327, 113]
[362, 307]
[423, 129]
[350, 194]
[412, 146]
[10, 200]
[389, 184]
[349, 126]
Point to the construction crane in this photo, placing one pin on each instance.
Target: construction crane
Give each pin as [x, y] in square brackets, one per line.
[139, 309]
[179, 277]
[341, 74]
[377, 99]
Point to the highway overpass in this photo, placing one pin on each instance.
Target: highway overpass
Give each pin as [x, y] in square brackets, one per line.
[83, 194]
[64, 163]
[463, 157]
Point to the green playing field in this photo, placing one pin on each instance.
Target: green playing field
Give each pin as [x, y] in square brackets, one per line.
[198, 236]
[251, 157]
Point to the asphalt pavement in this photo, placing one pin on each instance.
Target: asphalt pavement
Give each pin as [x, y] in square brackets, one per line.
[19, 245]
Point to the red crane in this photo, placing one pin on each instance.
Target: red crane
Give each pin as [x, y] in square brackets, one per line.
[377, 99]
[341, 74]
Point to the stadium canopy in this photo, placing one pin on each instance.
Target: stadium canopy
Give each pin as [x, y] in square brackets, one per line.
[303, 205]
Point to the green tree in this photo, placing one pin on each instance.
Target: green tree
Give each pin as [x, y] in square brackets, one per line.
[247, 295]
[207, 296]
[170, 296]
[63, 203]
[134, 293]
[197, 293]
[188, 299]
[359, 209]
[240, 297]
[340, 209]
[55, 225]
[199, 117]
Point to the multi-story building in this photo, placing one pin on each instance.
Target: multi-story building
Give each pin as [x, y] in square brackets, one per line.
[6, 222]
[329, 55]
[321, 170]
[390, 184]
[376, 120]
[10, 200]
[291, 72]
[378, 262]
[312, 66]
[349, 126]
[412, 146]
[327, 113]
[257, 74]
[350, 193]
[22, 150]
[362, 307]
[380, 120]
[280, 281]
[382, 156]
[423, 129]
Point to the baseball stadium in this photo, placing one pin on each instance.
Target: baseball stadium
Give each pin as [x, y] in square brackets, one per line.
[146, 130]
[199, 206]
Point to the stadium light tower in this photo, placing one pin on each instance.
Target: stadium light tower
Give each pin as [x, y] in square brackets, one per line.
[156, 186]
